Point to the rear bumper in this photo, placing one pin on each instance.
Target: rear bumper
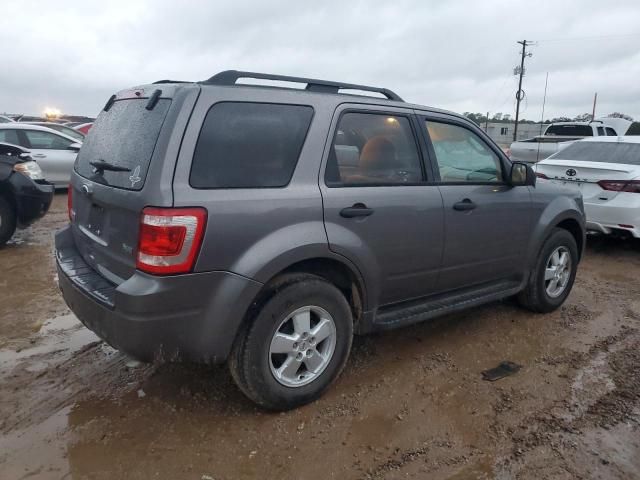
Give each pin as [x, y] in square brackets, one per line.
[32, 199]
[193, 317]
[609, 217]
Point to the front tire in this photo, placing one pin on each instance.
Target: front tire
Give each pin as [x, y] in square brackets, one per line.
[296, 343]
[552, 279]
[7, 221]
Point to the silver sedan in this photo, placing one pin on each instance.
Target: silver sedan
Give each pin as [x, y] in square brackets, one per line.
[55, 152]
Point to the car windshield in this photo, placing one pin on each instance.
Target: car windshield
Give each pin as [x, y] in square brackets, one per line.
[607, 152]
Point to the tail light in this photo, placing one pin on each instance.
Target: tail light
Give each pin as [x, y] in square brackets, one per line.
[541, 175]
[629, 186]
[70, 210]
[170, 239]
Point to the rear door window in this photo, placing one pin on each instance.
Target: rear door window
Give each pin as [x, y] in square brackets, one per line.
[249, 145]
[373, 149]
[611, 132]
[125, 136]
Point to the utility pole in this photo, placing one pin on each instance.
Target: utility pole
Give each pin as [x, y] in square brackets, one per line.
[595, 99]
[520, 93]
[486, 123]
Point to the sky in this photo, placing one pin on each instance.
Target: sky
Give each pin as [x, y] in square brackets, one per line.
[457, 55]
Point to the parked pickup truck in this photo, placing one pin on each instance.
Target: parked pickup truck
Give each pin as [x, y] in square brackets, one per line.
[561, 134]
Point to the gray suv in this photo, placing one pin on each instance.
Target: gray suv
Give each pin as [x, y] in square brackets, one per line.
[265, 225]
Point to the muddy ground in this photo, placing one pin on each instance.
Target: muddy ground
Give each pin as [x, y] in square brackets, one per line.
[411, 403]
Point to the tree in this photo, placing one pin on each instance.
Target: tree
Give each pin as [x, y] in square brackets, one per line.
[620, 115]
[561, 119]
[497, 117]
[584, 117]
[478, 118]
[507, 118]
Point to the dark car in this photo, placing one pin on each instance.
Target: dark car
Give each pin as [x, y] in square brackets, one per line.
[24, 195]
[216, 221]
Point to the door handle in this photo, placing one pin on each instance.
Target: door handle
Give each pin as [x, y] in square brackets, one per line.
[463, 205]
[39, 155]
[358, 210]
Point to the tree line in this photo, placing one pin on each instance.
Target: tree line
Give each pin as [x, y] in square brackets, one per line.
[499, 117]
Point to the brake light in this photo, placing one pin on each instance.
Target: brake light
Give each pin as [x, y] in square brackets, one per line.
[629, 186]
[170, 239]
[70, 210]
[541, 175]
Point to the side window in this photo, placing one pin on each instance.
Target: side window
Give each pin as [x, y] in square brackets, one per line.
[462, 156]
[9, 136]
[249, 145]
[46, 140]
[600, 131]
[373, 149]
[611, 132]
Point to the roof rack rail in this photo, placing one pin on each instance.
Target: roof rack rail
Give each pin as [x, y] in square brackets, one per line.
[230, 77]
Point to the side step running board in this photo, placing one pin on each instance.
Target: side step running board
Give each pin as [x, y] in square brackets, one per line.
[414, 311]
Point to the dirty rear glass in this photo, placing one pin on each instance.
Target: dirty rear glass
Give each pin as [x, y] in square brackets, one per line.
[124, 136]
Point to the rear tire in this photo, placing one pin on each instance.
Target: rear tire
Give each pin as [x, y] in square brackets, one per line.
[551, 280]
[277, 361]
[7, 221]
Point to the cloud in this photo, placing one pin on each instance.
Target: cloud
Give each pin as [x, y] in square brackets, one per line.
[454, 55]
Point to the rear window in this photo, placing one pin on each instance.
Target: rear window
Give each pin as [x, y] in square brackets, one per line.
[249, 145]
[607, 152]
[570, 130]
[124, 136]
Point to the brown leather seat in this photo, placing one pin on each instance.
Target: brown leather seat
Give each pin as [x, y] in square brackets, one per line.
[378, 155]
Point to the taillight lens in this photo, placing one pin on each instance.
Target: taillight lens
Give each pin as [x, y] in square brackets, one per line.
[70, 210]
[629, 186]
[170, 239]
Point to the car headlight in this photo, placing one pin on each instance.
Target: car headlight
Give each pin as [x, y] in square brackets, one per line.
[30, 169]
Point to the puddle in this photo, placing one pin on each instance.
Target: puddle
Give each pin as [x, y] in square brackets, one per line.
[58, 338]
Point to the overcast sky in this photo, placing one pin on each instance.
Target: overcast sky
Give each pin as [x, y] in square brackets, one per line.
[457, 55]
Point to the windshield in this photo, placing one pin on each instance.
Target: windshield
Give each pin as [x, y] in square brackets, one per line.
[607, 152]
[124, 136]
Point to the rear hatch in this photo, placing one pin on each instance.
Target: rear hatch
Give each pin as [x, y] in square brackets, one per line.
[126, 163]
[583, 164]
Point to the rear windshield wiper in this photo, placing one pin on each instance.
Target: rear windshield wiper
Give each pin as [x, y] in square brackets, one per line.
[100, 166]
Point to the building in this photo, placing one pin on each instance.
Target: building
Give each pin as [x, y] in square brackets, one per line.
[502, 132]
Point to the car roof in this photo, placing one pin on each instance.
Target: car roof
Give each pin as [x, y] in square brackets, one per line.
[612, 139]
[321, 90]
[30, 126]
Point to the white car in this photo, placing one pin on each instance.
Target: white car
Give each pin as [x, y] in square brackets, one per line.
[607, 172]
[54, 151]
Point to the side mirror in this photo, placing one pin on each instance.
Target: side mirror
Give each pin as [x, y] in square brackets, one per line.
[75, 146]
[521, 175]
